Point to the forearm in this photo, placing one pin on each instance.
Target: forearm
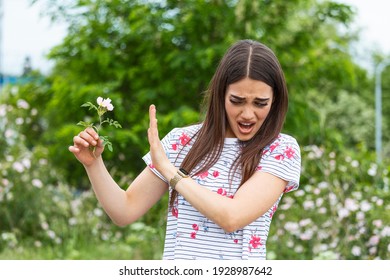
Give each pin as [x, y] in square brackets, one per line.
[252, 200]
[219, 209]
[109, 194]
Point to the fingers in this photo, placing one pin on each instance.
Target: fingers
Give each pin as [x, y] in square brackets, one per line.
[153, 128]
[152, 116]
[85, 138]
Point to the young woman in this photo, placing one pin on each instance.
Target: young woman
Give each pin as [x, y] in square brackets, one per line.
[225, 175]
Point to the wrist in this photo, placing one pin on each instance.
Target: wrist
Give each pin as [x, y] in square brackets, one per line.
[180, 174]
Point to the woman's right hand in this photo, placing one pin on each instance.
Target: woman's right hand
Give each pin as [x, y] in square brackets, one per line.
[87, 146]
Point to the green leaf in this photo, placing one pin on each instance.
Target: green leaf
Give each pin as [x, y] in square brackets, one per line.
[85, 124]
[111, 122]
[90, 106]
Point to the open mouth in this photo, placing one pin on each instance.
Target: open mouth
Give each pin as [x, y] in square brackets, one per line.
[245, 127]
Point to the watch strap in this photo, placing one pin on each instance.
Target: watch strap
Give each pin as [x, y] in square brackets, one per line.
[181, 173]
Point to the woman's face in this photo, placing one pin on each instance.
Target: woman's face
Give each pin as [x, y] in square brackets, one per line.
[247, 104]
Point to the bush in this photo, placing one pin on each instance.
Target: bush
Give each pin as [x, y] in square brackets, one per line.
[341, 210]
[40, 211]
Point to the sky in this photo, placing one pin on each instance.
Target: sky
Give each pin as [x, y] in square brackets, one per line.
[25, 33]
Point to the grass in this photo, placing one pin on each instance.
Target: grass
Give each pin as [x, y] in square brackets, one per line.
[100, 251]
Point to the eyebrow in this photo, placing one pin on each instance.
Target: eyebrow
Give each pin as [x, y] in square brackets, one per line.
[243, 98]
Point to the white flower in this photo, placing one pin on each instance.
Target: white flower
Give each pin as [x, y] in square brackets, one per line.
[72, 221]
[3, 110]
[377, 223]
[21, 103]
[351, 204]
[9, 133]
[98, 212]
[308, 205]
[355, 163]
[26, 162]
[299, 193]
[44, 226]
[110, 107]
[365, 206]
[356, 251]
[322, 210]
[374, 240]
[343, 212]
[372, 250]
[319, 201]
[323, 185]
[5, 182]
[386, 231]
[51, 234]
[100, 101]
[373, 169]
[305, 222]
[34, 112]
[106, 102]
[18, 167]
[360, 216]
[291, 227]
[37, 183]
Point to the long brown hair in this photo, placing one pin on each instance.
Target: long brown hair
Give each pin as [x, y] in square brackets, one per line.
[246, 58]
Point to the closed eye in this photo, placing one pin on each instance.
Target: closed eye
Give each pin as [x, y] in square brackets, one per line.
[257, 104]
[236, 102]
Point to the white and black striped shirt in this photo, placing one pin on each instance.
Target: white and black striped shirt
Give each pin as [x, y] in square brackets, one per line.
[189, 234]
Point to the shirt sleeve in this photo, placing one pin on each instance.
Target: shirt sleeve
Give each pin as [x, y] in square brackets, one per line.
[282, 158]
[168, 148]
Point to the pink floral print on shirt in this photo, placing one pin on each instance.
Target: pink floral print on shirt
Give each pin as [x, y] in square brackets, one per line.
[289, 188]
[175, 212]
[184, 139]
[289, 152]
[254, 242]
[273, 210]
[223, 192]
[195, 227]
[204, 174]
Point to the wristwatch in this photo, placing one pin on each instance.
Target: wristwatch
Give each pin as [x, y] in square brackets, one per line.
[181, 173]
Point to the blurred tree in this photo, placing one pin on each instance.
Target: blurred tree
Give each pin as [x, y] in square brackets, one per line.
[386, 112]
[165, 52]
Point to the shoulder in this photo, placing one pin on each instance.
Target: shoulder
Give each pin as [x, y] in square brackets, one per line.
[282, 158]
[285, 138]
[283, 147]
[183, 134]
[189, 130]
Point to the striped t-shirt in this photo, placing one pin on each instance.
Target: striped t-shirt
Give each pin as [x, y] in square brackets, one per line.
[191, 235]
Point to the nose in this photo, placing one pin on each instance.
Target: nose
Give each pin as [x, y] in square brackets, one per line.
[247, 113]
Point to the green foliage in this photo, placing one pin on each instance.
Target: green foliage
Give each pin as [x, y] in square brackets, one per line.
[40, 210]
[143, 52]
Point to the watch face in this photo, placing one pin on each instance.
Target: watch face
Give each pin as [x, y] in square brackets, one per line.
[183, 171]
